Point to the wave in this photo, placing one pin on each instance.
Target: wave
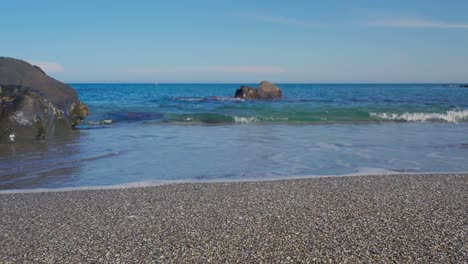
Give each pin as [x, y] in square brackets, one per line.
[189, 99]
[245, 120]
[289, 115]
[317, 117]
[134, 116]
[208, 99]
[449, 116]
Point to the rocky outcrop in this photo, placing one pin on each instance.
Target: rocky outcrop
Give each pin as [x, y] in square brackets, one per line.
[265, 90]
[34, 105]
[268, 90]
[247, 92]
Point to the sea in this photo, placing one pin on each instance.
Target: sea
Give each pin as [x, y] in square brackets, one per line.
[160, 133]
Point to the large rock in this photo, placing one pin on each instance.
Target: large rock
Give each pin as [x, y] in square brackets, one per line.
[34, 105]
[268, 90]
[265, 90]
[247, 92]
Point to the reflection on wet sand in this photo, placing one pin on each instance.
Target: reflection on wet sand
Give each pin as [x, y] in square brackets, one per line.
[34, 164]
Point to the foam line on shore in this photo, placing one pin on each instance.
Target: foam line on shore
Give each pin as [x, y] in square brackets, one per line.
[154, 183]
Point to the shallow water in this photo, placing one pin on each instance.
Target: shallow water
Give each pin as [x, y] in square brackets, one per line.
[179, 132]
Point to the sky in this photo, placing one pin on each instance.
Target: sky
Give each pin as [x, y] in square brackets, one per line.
[329, 41]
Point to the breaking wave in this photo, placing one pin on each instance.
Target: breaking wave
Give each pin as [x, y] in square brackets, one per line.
[207, 99]
[263, 115]
[245, 120]
[449, 116]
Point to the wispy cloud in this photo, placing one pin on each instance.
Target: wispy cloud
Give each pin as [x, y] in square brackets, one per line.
[48, 66]
[375, 19]
[144, 70]
[247, 69]
[279, 20]
[396, 21]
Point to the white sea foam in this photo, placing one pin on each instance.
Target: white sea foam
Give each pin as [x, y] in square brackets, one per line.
[449, 116]
[231, 99]
[213, 98]
[188, 99]
[245, 120]
[372, 171]
[153, 183]
[324, 145]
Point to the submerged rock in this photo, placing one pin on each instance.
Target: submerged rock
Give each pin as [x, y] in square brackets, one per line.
[34, 105]
[265, 90]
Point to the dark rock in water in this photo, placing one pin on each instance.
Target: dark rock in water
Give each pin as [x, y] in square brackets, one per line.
[34, 105]
[464, 86]
[265, 90]
[247, 92]
[268, 90]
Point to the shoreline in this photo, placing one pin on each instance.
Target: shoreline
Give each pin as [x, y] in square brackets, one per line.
[157, 183]
[393, 218]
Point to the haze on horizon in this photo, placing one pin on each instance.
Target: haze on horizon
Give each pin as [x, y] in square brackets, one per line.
[240, 41]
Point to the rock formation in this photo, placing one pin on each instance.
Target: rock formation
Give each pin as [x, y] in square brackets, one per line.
[265, 90]
[247, 92]
[34, 105]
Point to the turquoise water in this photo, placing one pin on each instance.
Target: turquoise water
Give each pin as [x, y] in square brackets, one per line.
[302, 103]
[198, 132]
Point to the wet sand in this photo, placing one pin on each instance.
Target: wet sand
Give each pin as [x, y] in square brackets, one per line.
[399, 218]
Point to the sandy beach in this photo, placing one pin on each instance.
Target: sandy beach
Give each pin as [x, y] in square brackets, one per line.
[399, 218]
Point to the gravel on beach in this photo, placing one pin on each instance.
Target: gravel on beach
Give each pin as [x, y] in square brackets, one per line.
[393, 218]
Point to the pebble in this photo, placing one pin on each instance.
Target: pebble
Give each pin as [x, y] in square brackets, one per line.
[377, 219]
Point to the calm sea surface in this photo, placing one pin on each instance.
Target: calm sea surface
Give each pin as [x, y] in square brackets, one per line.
[199, 132]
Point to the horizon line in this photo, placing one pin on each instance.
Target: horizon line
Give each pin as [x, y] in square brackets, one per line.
[158, 83]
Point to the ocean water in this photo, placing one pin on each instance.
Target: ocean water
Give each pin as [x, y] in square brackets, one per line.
[199, 132]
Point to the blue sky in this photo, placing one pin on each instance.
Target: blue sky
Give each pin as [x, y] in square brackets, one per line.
[240, 41]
